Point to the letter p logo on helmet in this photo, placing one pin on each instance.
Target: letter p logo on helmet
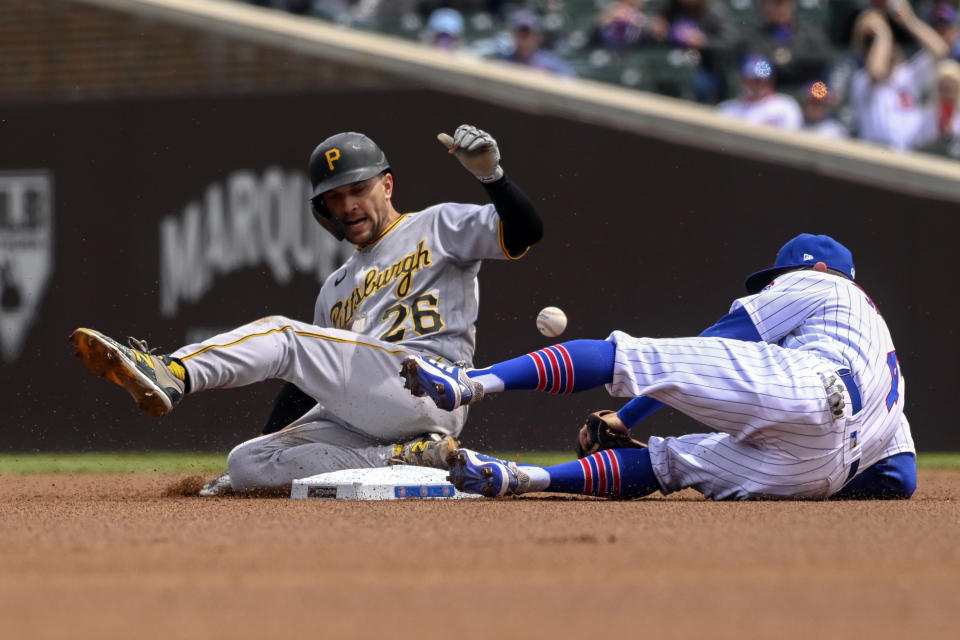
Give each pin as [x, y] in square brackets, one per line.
[332, 155]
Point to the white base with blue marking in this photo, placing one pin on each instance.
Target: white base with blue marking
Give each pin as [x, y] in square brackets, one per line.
[385, 483]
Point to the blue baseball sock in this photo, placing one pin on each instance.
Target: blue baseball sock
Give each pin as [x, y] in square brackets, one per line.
[562, 368]
[621, 473]
[893, 478]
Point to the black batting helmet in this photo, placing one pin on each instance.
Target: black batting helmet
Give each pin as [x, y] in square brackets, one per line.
[342, 159]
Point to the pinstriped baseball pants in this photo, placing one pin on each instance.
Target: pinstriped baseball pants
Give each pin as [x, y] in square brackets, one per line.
[776, 435]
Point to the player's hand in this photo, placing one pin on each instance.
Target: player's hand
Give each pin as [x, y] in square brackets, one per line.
[476, 150]
[604, 430]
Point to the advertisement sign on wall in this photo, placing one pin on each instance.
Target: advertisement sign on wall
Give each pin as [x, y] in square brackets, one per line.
[26, 254]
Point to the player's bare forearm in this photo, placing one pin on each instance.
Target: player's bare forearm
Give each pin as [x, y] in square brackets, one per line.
[929, 39]
[872, 24]
[879, 64]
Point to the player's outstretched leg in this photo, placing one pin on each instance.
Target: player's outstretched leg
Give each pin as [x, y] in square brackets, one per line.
[157, 383]
[615, 473]
[559, 369]
[447, 385]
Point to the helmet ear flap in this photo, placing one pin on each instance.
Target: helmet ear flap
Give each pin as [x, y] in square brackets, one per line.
[328, 222]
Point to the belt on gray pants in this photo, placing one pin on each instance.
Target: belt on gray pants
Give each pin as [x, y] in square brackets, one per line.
[846, 376]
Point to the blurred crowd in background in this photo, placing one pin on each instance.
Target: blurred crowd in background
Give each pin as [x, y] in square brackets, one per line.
[885, 71]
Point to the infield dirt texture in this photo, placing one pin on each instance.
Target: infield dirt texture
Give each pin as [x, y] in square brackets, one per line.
[123, 556]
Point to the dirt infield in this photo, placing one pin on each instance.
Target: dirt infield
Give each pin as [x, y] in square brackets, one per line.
[121, 557]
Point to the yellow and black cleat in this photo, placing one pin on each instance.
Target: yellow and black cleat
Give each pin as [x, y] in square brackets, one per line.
[157, 383]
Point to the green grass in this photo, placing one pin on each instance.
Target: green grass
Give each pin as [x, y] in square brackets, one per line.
[938, 460]
[154, 462]
[207, 463]
[541, 458]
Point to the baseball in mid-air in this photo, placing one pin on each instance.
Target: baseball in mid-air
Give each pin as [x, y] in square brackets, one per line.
[551, 321]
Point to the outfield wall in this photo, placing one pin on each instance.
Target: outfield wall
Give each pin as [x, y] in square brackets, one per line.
[106, 203]
[655, 209]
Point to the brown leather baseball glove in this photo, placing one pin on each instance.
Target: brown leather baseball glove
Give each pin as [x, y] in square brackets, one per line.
[604, 430]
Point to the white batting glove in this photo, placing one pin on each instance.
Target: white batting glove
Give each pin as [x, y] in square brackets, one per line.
[476, 150]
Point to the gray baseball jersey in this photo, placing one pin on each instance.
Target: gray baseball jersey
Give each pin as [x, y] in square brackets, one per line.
[413, 289]
[416, 285]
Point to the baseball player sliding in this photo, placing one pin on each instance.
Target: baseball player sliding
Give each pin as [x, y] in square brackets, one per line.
[410, 289]
[800, 382]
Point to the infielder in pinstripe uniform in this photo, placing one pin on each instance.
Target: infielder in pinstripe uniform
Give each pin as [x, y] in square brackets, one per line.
[800, 382]
[410, 288]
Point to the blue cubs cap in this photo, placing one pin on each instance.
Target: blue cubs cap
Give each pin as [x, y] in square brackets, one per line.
[805, 250]
[756, 67]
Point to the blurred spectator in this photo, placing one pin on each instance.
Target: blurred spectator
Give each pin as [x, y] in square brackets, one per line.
[424, 8]
[445, 28]
[800, 51]
[844, 36]
[941, 119]
[817, 103]
[926, 7]
[886, 92]
[943, 19]
[293, 6]
[527, 48]
[348, 12]
[622, 24]
[703, 26]
[759, 101]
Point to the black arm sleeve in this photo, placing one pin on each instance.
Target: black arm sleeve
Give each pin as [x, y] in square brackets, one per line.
[522, 226]
[291, 403]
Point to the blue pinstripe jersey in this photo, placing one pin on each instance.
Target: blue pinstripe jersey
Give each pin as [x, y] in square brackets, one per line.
[833, 317]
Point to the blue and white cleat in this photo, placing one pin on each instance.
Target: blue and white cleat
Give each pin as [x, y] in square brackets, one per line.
[476, 473]
[447, 385]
